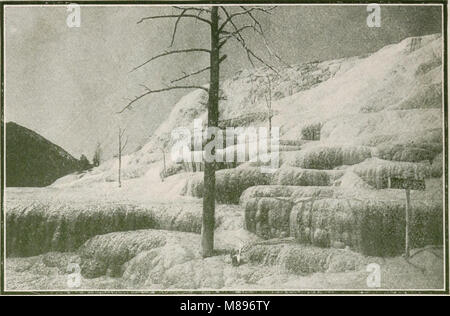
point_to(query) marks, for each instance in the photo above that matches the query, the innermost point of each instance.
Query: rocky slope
(351, 126)
(390, 100)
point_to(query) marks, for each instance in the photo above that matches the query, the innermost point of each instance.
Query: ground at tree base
(45, 273)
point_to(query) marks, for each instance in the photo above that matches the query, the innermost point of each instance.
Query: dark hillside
(32, 160)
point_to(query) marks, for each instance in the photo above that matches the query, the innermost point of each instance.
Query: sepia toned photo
(229, 148)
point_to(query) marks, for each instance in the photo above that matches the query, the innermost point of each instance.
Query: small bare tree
(223, 26)
(164, 163)
(268, 98)
(121, 149)
(97, 155)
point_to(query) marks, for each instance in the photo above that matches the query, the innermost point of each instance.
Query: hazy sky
(68, 83)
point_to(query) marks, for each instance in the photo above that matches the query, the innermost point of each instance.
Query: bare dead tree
(97, 155)
(121, 149)
(223, 26)
(164, 163)
(268, 98)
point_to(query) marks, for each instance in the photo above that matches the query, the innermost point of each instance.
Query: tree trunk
(120, 156)
(270, 105)
(164, 165)
(270, 123)
(209, 191)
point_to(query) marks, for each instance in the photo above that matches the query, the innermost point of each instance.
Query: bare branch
(265, 9)
(149, 91)
(245, 11)
(186, 75)
(272, 53)
(236, 33)
(222, 43)
(251, 53)
(190, 74)
(174, 16)
(193, 9)
(260, 31)
(237, 30)
(121, 132)
(230, 18)
(249, 13)
(221, 59)
(183, 11)
(166, 53)
(175, 27)
(124, 145)
(266, 44)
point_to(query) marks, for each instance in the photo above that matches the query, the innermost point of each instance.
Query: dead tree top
(229, 28)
